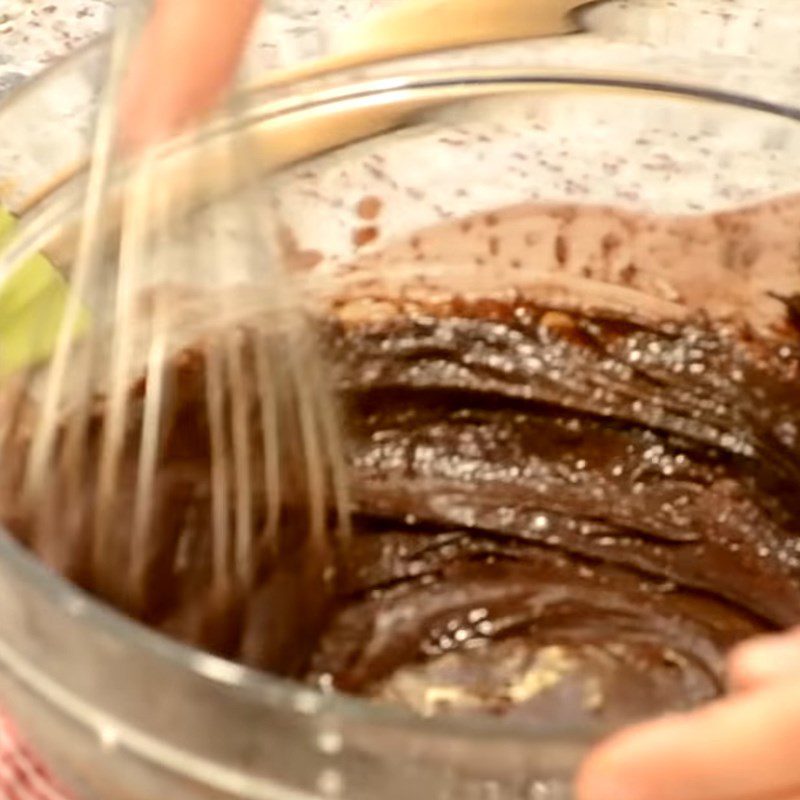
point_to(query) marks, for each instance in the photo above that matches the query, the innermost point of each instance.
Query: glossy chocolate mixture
(564, 517)
(558, 516)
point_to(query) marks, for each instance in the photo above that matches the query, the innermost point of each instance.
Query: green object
(32, 303)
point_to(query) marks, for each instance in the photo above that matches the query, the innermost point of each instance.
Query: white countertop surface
(733, 45)
(764, 32)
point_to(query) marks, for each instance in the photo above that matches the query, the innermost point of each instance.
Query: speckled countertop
(738, 45)
(34, 32)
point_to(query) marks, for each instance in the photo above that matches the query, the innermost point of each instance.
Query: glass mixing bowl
(122, 713)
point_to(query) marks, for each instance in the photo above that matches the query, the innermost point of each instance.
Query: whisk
(184, 437)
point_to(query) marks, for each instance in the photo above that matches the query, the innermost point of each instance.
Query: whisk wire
(154, 380)
(199, 329)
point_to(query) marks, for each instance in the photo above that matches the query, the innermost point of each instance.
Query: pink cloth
(22, 776)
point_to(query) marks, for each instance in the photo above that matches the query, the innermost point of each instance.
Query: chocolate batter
(558, 516)
(564, 517)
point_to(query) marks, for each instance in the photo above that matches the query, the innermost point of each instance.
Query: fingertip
(764, 660)
(740, 672)
(597, 779)
(610, 770)
(631, 764)
(708, 752)
(182, 66)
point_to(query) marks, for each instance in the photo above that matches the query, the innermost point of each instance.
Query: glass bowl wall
(122, 713)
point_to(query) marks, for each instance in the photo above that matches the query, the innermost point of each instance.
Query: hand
(184, 62)
(744, 747)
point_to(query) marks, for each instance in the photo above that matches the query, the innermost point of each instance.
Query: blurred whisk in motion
(182, 435)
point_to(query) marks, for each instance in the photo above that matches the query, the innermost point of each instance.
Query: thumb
(765, 660)
(185, 60)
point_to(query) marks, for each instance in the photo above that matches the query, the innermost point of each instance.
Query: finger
(747, 746)
(765, 660)
(186, 58)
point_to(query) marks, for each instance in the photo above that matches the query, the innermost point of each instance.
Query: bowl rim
(273, 691)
